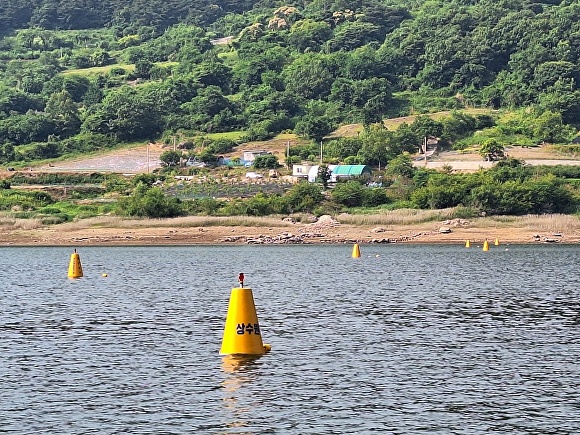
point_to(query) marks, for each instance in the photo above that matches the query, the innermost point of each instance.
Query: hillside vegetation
(79, 77)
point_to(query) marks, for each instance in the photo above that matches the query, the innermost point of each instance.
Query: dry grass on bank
(9, 224)
(409, 217)
(557, 223)
(397, 217)
(390, 220)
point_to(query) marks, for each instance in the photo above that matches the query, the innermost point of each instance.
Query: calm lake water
(406, 339)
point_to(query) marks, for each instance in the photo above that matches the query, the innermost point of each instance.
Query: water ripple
(405, 339)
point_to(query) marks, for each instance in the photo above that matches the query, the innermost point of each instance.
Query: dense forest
(306, 67)
(79, 76)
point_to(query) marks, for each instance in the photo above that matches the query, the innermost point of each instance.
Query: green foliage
(354, 194)
(222, 146)
(543, 195)
(304, 197)
(314, 128)
(374, 197)
(401, 166)
(23, 199)
(349, 194)
(51, 178)
(170, 158)
(203, 206)
(324, 174)
(509, 188)
(267, 161)
(549, 128)
(491, 150)
(351, 64)
(324, 66)
(152, 203)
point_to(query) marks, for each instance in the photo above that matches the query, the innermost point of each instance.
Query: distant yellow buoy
(355, 251)
(486, 245)
(104, 275)
(75, 270)
(242, 335)
(467, 244)
(496, 242)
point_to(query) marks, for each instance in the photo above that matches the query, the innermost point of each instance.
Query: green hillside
(79, 77)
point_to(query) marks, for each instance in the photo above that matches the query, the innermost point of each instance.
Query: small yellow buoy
(104, 275)
(355, 251)
(486, 245)
(467, 244)
(496, 242)
(75, 270)
(242, 335)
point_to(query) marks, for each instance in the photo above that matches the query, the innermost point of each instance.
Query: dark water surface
(404, 340)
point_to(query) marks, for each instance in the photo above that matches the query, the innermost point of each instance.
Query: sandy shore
(329, 231)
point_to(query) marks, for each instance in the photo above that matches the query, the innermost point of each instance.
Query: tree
(267, 161)
(313, 127)
(350, 194)
(129, 113)
(143, 68)
(303, 196)
(491, 150)
(349, 36)
(309, 34)
(401, 166)
(308, 77)
(170, 158)
(425, 126)
(61, 107)
(152, 203)
(548, 127)
(324, 174)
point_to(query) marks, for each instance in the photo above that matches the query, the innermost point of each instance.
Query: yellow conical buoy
(355, 251)
(75, 270)
(242, 335)
(486, 245)
(467, 244)
(496, 243)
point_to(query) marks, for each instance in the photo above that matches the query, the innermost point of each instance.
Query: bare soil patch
(134, 160)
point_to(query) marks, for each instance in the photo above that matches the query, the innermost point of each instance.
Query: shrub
(150, 203)
(350, 194)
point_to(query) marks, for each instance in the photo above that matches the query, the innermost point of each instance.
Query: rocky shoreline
(325, 230)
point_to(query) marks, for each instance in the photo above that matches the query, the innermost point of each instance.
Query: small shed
(341, 172)
(300, 171)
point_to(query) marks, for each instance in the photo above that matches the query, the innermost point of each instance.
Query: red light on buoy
(241, 279)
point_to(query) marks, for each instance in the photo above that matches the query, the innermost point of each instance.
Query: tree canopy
(136, 70)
